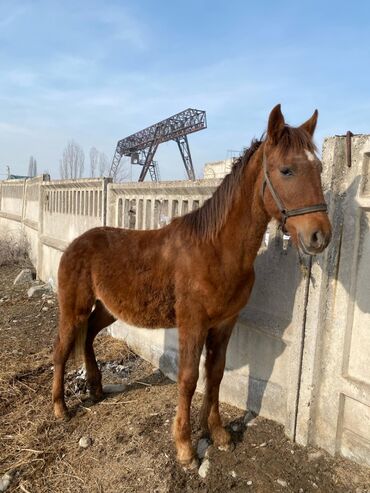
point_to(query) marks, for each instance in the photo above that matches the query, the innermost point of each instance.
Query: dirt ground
(131, 448)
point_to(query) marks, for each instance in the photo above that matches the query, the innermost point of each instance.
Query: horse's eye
(286, 171)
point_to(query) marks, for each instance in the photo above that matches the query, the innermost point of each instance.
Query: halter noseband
(285, 214)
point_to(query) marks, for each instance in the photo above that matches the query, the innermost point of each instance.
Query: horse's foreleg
(216, 345)
(98, 320)
(191, 342)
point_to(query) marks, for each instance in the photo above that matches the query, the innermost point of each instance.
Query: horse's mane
(207, 221)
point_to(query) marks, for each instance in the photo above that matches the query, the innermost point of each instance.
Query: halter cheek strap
(285, 213)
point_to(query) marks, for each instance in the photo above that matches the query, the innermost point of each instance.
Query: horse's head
(292, 191)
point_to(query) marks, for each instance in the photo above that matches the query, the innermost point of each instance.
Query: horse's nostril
(317, 239)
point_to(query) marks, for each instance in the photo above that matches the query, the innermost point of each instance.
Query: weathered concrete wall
(217, 169)
(51, 214)
(334, 409)
(19, 210)
(151, 205)
(70, 207)
(300, 350)
(12, 193)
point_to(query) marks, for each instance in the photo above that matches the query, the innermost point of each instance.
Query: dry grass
(40, 452)
(34, 446)
(14, 248)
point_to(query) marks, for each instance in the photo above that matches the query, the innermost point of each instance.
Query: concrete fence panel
(152, 205)
(334, 409)
(12, 199)
(69, 208)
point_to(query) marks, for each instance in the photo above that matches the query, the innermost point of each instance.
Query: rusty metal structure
(142, 146)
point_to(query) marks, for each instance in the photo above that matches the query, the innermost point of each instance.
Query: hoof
(186, 457)
(222, 439)
(96, 396)
(95, 392)
(61, 413)
(190, 465)
(227, 447)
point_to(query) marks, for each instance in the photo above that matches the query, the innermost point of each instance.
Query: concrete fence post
(105, 200)
(40, 229)
(24, 199)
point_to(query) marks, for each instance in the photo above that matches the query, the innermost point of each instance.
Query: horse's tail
(78, 350)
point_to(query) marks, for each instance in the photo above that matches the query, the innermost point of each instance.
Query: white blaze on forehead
(310, 155)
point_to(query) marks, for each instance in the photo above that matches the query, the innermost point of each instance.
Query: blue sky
(98, 71)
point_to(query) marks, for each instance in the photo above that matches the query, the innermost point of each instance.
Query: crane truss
(142, 145)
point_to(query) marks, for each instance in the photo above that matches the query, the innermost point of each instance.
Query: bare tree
(32, 167)
(94, 160)
(72, 162)
(103, 164)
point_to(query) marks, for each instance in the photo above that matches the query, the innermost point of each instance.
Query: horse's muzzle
(314, 243)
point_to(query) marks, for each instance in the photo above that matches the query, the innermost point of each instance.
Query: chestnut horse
(196, 273)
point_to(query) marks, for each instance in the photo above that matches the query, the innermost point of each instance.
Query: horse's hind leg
(63, 346)
(75, 303)
(98, 320)
(216, 345)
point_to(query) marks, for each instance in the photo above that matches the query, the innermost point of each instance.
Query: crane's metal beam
(184, 148)
(148, 161)
(115, 164)
(154, 171)
(185, 122)
(175, 127)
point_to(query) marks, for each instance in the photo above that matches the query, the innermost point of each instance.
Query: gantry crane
(142, 145)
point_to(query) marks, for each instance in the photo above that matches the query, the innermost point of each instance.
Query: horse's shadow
(267, 326)
(84, 401)
(255, 367)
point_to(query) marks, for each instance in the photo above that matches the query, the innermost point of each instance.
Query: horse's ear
(310, 124)
(275, 125)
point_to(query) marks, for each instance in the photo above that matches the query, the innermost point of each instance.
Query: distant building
(218, 169)
(17, 177)
(11, 176)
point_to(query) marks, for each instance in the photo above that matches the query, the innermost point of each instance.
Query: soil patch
(130, 447)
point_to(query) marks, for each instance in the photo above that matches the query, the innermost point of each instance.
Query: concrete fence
(51, 214)
(300, 350)
(152, 205)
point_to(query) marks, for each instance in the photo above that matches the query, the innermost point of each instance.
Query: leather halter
(285, 213)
